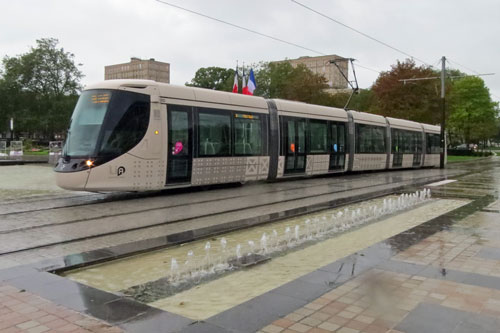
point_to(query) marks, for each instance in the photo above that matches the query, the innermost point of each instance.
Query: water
(156, 278)
(215, 256)
(223, 293)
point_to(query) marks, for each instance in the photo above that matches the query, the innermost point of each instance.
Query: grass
(453, 159)
(41, 152)
(32, 153)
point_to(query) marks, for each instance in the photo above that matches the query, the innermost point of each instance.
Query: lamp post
(11, 129)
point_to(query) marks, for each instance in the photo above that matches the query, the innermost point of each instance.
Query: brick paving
(378, 300)
(21, 311)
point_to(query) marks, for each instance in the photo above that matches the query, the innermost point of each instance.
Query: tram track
(29, 220)
(68, 232)
(274, 188)
(61, 202)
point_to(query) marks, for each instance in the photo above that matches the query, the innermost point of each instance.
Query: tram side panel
(312, 140)
(370, 142)
(228, 146)
(432, 145)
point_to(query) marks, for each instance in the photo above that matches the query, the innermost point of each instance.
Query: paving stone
(28, 324)
(437, 318)
(300, 327)
(329, 326)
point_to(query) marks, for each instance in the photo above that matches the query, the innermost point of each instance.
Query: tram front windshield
(107, 123)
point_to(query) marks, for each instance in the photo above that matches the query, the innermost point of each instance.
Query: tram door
(295, 150)
(337, 146)
(397, 147)
(417, 155)
(180, 147)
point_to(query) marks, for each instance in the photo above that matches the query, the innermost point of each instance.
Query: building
(322, 65)
(139, 69)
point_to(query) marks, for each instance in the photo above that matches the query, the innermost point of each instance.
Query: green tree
(473, 115)
(362, 101)
(42, 87)
(216, 78)
(274, 80)
(415, 100)
(282, 80)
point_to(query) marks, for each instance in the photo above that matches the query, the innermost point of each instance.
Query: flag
(251, 83)
(235, 84)
(244, 88)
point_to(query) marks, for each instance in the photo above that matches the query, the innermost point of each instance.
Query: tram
(141, 135)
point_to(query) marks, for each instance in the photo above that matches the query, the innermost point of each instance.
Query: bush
(468, 152)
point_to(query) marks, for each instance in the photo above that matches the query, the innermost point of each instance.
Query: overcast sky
(104, 32)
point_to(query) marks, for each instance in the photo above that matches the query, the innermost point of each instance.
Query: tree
(282, 80)
(216, 78)
(41, 88)
(415, 100)
(362, 101)
(473, 115)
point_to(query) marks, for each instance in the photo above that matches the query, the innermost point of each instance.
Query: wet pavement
(440, 276)
(35, 227)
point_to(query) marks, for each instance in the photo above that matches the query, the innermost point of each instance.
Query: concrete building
(321, 65)
(139, 69)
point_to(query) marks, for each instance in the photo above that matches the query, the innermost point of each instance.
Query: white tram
(139, 135)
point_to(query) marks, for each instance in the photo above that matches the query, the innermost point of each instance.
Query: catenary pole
(443, 113)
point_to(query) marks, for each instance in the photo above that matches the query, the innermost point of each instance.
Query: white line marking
(442, 182)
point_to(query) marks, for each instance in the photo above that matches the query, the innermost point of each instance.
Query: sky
(105, 32)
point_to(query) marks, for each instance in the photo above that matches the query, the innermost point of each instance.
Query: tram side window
(318, 131)
(214, 134)
(433, 143)
(370, 139)
(408, 142)
(247, 135)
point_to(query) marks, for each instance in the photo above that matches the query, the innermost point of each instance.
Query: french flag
(251, 83)
(244, 88)
(235, 84)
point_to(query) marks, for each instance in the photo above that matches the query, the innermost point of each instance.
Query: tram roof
(177, 92)
(314, 111)
(432, 129)
(368, 118)
(404, 124)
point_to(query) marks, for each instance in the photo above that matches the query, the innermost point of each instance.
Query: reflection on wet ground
(444, 278)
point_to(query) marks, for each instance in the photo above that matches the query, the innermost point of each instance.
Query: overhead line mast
(443, 104)
(443, 114)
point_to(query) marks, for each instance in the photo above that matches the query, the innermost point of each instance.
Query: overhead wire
(471, 70)
(368, 68)
(240, 27)
(360, 32)
(252, 31)
(456, 63)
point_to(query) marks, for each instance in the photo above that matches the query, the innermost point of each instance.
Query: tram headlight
(89, 163)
